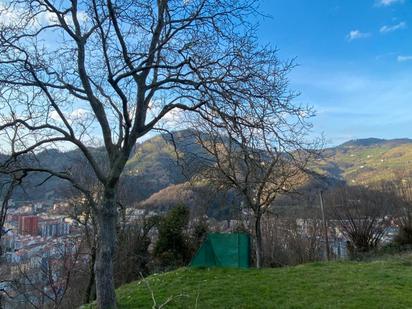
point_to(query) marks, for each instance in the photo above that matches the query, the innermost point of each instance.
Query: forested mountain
(166, 163)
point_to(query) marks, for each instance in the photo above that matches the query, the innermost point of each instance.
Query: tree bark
(258, 234)
(106, 228)
(90, 294)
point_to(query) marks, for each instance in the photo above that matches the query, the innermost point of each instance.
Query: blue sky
(355, 62)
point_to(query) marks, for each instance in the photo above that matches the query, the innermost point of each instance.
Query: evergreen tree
(172, 247)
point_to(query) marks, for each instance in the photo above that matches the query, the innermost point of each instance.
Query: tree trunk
(106, 229)
(258, 233)
(90, 293)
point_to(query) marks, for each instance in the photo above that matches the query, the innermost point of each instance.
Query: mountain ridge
(371, 141)
(153, 166)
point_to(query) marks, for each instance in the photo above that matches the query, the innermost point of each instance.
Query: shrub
(172, 247)
(198, 234)
(404, 236)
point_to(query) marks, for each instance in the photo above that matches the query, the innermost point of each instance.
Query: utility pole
(325, 227)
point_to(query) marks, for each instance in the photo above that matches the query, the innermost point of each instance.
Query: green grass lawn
(378, 284)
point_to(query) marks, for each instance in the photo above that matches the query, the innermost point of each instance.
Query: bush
(199, 232)
(172, 247)
(404, 236)
(133, 256)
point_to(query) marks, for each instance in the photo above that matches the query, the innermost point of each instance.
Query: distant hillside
(165, 160)
(370, 142)
(199, 197)
(155, 165)
(370, 160)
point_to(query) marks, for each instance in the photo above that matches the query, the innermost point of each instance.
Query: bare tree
(44, 280)
(133, 256)
(401, 190)
(81, 212)
(291, 239)
(362, 215)
(7, 187)
(8, 184)
(76, 73)
(262, 156)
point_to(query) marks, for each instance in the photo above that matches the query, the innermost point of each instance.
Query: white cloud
(388, 2)
(79, 114)
(173, 119)
(356, 34)
(387, 29)
(49, 18)
(385, 56)
(54, 115)
(7, 15)
(12, 15)
(404, 58)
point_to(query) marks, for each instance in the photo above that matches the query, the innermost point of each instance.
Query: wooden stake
(325, 227)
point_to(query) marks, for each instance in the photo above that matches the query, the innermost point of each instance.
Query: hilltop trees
(105, 73)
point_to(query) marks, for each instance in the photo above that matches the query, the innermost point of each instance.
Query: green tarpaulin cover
(223, 250)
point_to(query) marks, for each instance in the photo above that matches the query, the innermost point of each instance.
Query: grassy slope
(378, 284)
(360, 165)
